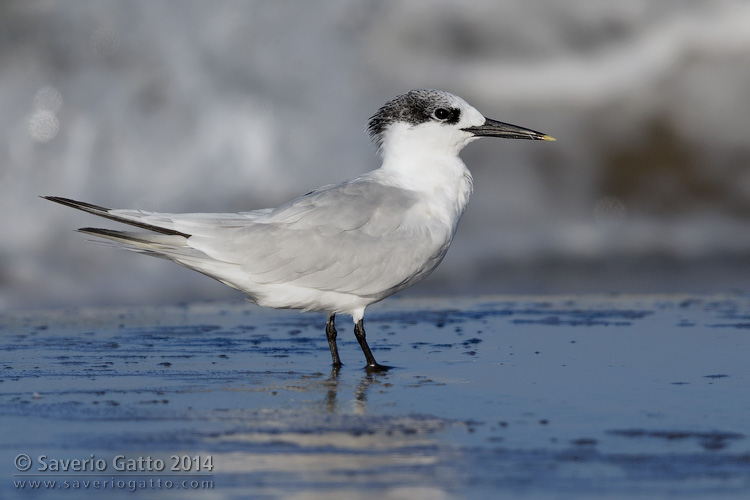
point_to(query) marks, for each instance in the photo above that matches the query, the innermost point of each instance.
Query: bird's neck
(423, 160)
(440, 178)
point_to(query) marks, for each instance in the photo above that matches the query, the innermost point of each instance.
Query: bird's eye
(442, 114)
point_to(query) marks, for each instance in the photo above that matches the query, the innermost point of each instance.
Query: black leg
(359, 332)
(331, 334)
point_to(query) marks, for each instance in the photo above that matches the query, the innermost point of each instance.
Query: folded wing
(347, 238)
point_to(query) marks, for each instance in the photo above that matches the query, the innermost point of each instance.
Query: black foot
(376, 368)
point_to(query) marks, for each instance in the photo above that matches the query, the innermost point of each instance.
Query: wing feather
(359, 237)
(347, 238)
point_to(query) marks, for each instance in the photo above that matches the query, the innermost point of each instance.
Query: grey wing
(188, 223)
(348, 238)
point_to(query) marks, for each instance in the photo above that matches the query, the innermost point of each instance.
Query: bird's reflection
(334, 385)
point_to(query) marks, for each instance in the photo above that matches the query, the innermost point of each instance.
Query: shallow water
(523, 397)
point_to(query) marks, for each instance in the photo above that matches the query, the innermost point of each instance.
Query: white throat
(422, 161)
(424, 158)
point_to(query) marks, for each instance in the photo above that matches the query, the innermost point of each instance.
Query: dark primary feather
(106, 213)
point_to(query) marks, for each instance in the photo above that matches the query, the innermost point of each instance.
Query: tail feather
(107, 214)
(162, 242)
(128, 237)
(170, 247)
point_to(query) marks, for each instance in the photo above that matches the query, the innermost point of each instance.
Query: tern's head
(437, 121)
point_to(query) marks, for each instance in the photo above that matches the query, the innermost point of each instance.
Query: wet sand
(600, 397)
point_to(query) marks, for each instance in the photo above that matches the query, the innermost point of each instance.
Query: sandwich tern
(344, 246)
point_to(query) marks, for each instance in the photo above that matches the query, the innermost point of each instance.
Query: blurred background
(237, 105)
